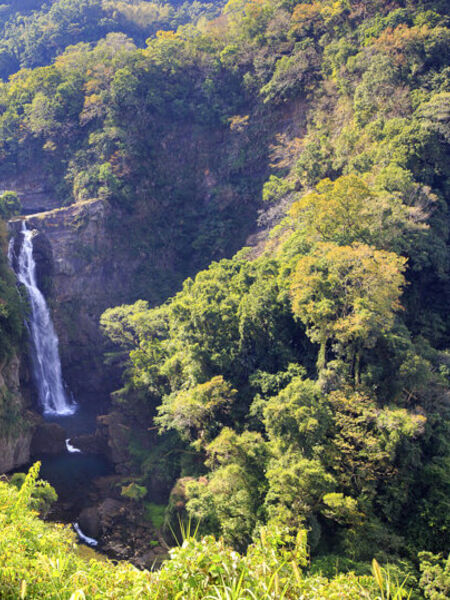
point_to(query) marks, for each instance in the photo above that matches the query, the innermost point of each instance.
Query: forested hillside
(300, 387)
(307, 386)
(34, 32)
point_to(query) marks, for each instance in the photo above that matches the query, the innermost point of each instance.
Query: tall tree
(347, 295)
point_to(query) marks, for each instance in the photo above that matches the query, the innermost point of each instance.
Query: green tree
(195, 413)
(43, 495)
(347, 294)
(435, 579)
(298, 418)
(347, 211)
(10, 205)
(296, 486)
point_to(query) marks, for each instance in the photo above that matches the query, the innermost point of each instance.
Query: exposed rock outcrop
(91, 443)
(81, 277)
(14, 450)
(89, 521)
(48, 438)
(116, 432)
(121, 526)
(33, 190)
(17, 423)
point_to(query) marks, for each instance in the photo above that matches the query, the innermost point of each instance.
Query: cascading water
(73, 471)
(44, 341)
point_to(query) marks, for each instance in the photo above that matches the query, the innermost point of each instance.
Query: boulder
(90, 443)
(116, 433)
(109, 509)
(89, 522)
(48, 438)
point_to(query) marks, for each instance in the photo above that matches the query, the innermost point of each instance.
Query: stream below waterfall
(71, 473)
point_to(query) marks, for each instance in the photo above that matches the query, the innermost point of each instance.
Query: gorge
(224, 327)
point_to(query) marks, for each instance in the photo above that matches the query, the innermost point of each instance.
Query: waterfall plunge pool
(72, 474)
(81, 422)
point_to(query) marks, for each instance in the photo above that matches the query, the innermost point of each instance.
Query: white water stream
(44, 341)
(71, 448)
(84, 538)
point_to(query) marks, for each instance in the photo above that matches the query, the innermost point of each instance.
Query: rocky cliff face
(16, 422)
(14, 451)
(80, 276)
(33, 190)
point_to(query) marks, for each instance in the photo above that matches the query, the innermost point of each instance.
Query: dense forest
(34, 32)
(289, 400)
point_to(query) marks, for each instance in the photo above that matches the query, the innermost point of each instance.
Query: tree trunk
(357, 366)
(322, 357)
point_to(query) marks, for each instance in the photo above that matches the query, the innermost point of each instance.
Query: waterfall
(44, 341)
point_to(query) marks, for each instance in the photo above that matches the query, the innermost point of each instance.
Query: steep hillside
(298, 384)
(176, 150)
(306, 382)
(34, 32)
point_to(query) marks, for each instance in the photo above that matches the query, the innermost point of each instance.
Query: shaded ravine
(71, 473)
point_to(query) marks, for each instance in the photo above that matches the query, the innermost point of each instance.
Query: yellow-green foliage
(41, 560)
(38, 560)
(155, 513)
(354, 278)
